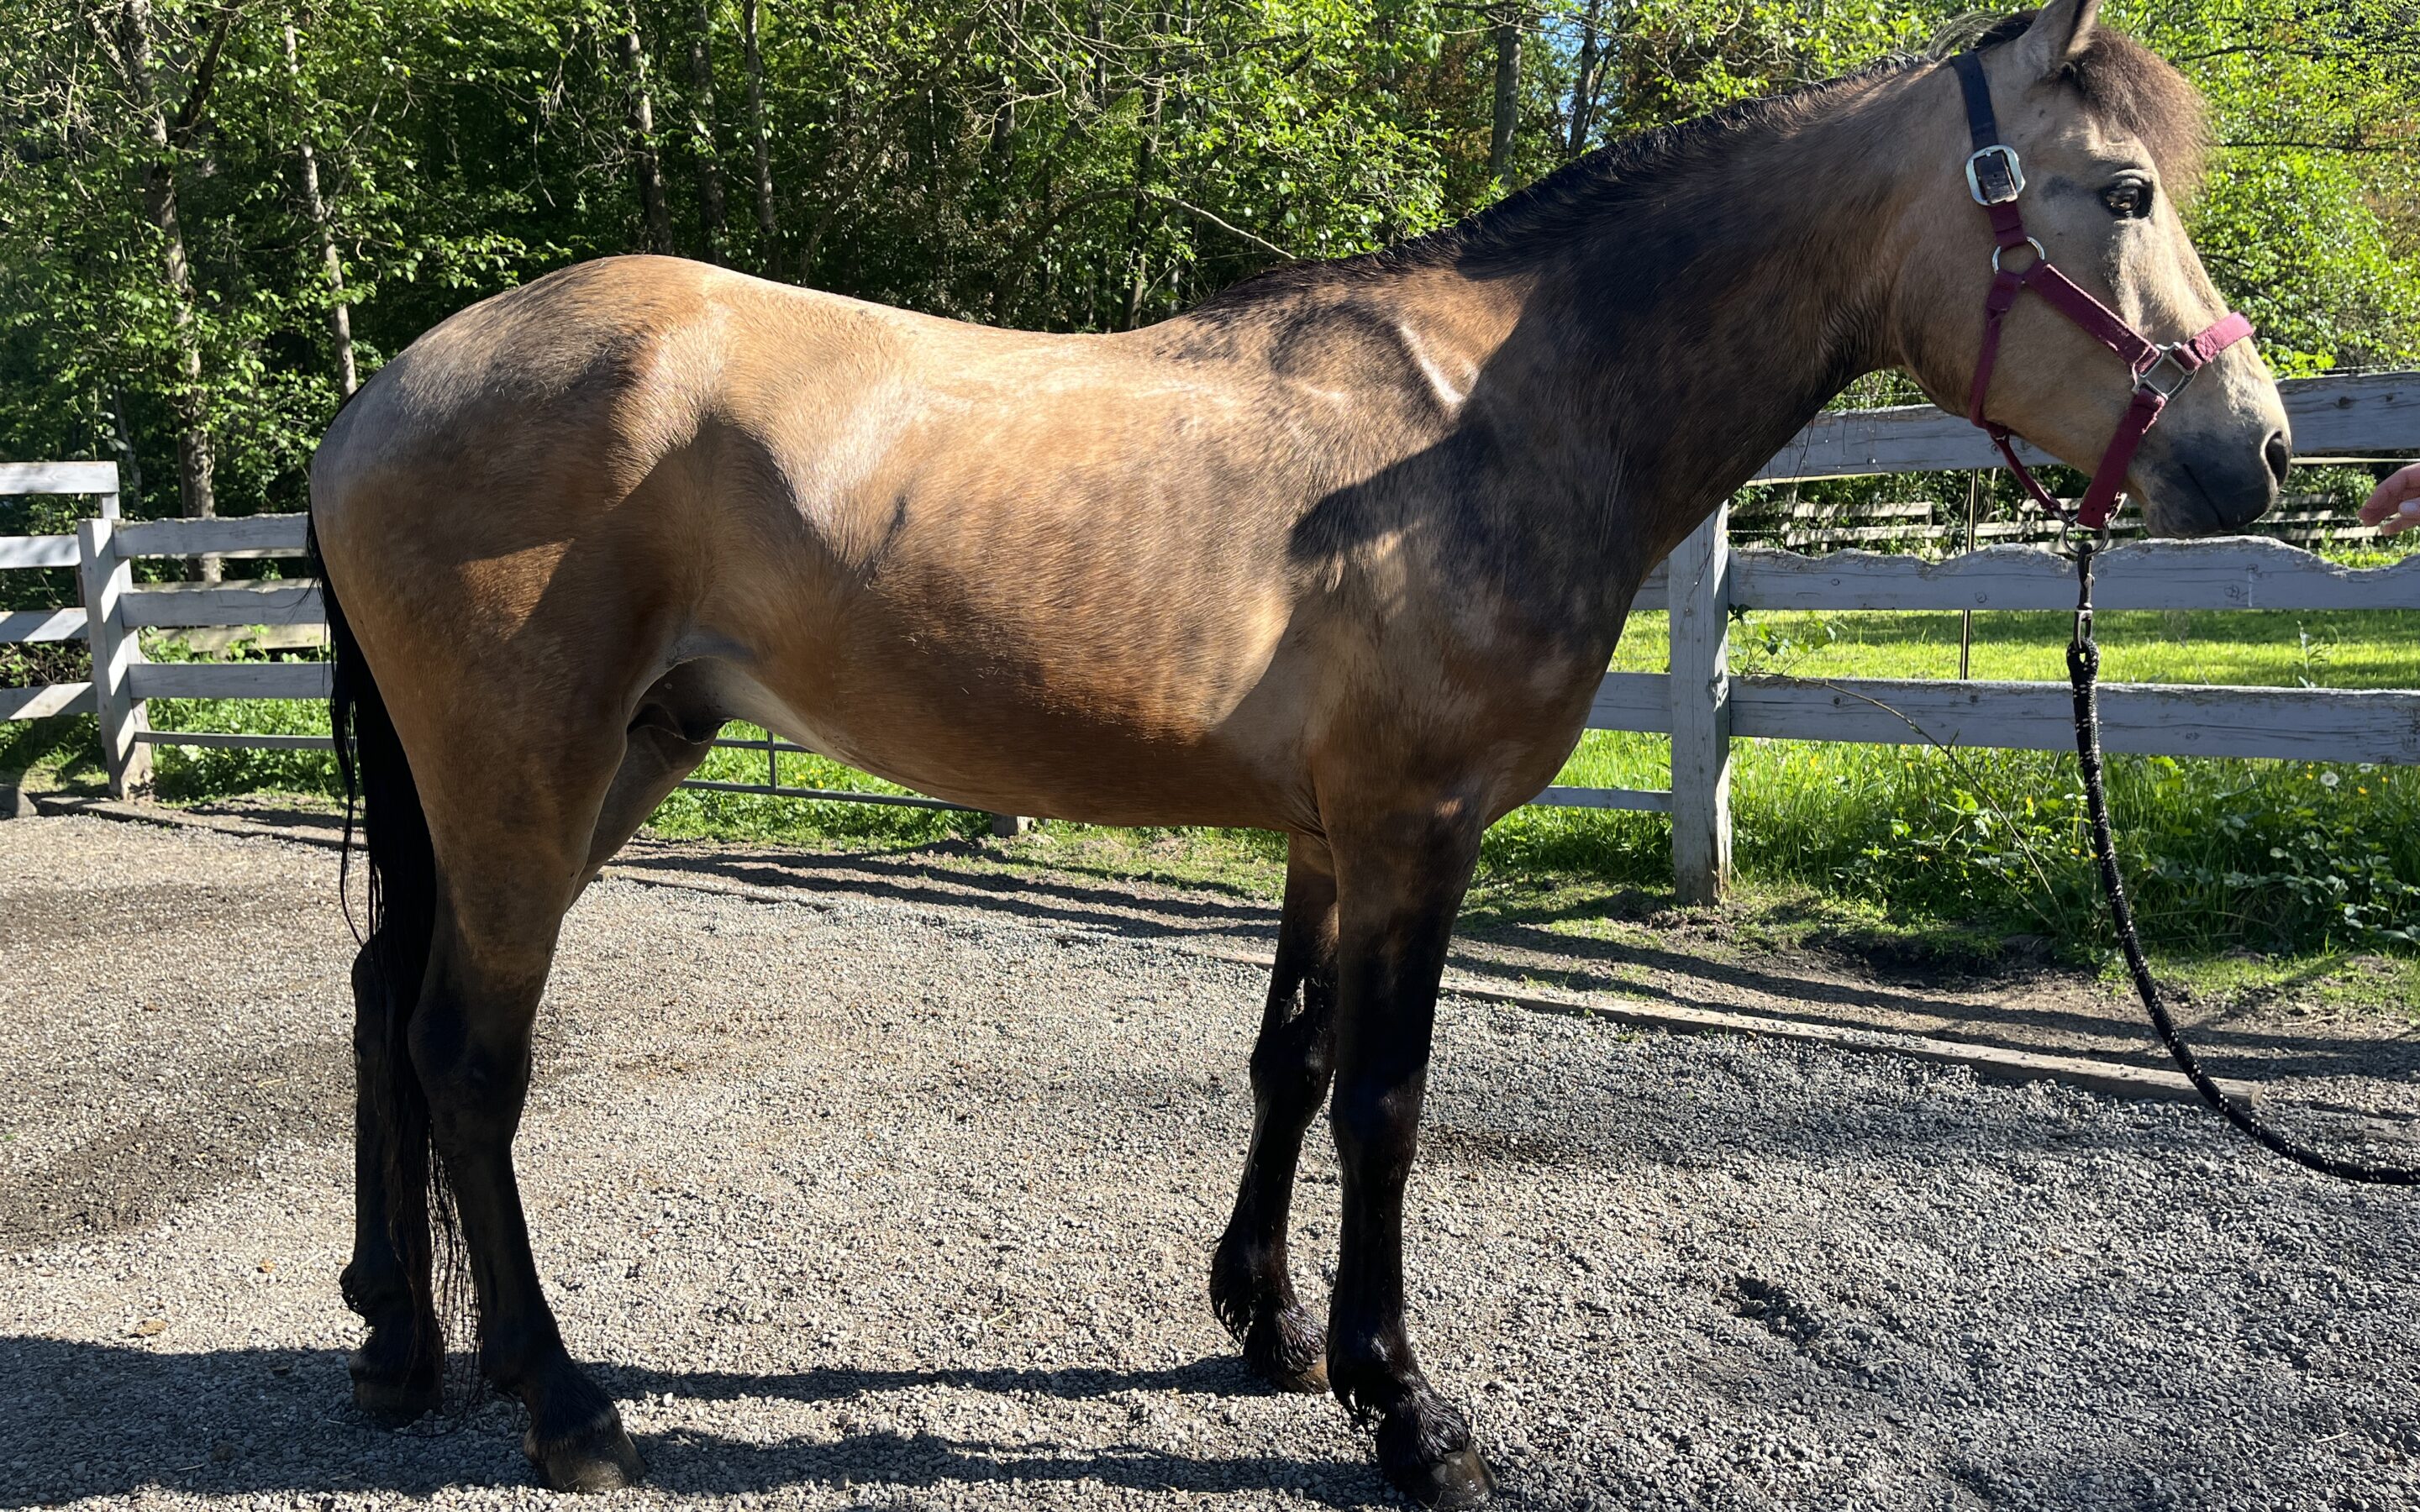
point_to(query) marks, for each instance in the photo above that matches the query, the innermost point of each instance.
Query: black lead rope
(2082, 672)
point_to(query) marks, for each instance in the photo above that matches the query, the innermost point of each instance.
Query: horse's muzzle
(2197, 485)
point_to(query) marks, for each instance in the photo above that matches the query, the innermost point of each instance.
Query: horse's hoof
(1288, 1350)
(1424, 1449)
(600, 1458)
(394, 1397)
(1310, 1380)
(1459, 1480)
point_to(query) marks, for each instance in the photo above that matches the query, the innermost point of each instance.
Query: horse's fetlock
(1238, 1282)
(375, 1292)
(1363, 1385)
(1285, 1347)
(1426, 1427)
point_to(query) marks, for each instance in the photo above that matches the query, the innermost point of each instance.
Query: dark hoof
(1459, 1480)
(1424, 1449)
(1287, 1349)
(597, 1458)
(392, 1396)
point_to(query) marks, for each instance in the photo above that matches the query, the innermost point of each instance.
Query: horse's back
(900, 534)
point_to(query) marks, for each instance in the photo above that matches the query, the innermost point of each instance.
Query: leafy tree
(206, 207)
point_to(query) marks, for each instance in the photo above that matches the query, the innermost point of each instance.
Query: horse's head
(2107, 137)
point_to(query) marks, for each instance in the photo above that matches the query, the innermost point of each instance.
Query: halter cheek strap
(1995, 178)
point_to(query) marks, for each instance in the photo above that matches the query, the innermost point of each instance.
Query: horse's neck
(1693, 331)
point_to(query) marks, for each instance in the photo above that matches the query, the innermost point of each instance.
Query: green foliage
(1074, 165)
(2297, 855)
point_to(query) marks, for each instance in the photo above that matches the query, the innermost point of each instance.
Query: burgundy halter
(1994, 178)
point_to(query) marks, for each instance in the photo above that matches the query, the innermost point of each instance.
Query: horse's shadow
(112, 1421)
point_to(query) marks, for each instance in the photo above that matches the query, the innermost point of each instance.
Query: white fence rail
(1699, 702)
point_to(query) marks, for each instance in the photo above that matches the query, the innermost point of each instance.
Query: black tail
(401, 870)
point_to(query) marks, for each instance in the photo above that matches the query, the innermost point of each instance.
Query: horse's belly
(1012, 749)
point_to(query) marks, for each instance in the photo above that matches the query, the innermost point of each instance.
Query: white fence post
(106, 578)
(1700, 577)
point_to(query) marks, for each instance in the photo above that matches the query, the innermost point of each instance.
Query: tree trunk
(753, 59)
(1584, 82)
(1094, 33)
(701, 130)
(1508, 94)
(194, 465)
(1003, 121)
(340, 315)
(643, 137)
(121, 441)
(1146, 159)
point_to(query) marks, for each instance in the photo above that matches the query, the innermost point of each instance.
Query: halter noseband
(1994, 178)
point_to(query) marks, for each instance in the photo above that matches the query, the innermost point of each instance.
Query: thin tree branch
(1232, 229)
(206, 73)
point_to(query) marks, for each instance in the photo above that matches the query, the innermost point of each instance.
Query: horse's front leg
(1400, 885)
(1250, 1287)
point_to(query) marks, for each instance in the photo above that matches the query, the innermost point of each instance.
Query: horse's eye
(2129, 200)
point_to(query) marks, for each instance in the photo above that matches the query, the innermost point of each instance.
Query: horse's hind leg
(471, 1044)
(1250, 1286)
(512, 833)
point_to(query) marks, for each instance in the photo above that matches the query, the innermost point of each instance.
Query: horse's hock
(861, 1201)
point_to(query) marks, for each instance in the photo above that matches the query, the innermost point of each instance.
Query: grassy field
(1904, 849)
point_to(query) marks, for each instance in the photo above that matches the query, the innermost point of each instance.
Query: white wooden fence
(1698, 703)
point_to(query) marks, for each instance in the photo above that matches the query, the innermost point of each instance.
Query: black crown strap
(1978, 100)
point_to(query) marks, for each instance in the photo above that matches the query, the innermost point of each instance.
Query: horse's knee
(1376, 1129)
(1291, 1065)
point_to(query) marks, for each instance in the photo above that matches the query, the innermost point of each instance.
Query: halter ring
(2144, 381)
(2039, 256)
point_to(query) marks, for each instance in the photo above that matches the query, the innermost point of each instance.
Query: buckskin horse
(1341, 553)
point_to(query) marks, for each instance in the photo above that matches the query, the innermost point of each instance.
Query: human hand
(2396, 505)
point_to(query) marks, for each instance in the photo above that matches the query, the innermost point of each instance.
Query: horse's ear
(2060, 32)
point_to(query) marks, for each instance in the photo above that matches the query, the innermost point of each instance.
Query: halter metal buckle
(2147, 379)
(1993, 176)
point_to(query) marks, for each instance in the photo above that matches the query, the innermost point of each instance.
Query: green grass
(2338, 648)
(2269, 855)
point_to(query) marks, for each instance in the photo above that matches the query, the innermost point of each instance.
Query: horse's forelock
(2141, 91)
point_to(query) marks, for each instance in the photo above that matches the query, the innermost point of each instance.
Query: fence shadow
(1489, 949)
(1112, 908)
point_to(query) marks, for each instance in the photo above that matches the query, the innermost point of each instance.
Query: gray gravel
(865, 1203)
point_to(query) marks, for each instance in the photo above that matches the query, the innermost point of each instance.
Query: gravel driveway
(864, 1203)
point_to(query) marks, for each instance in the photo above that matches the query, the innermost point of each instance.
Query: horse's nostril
(2279, 453)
